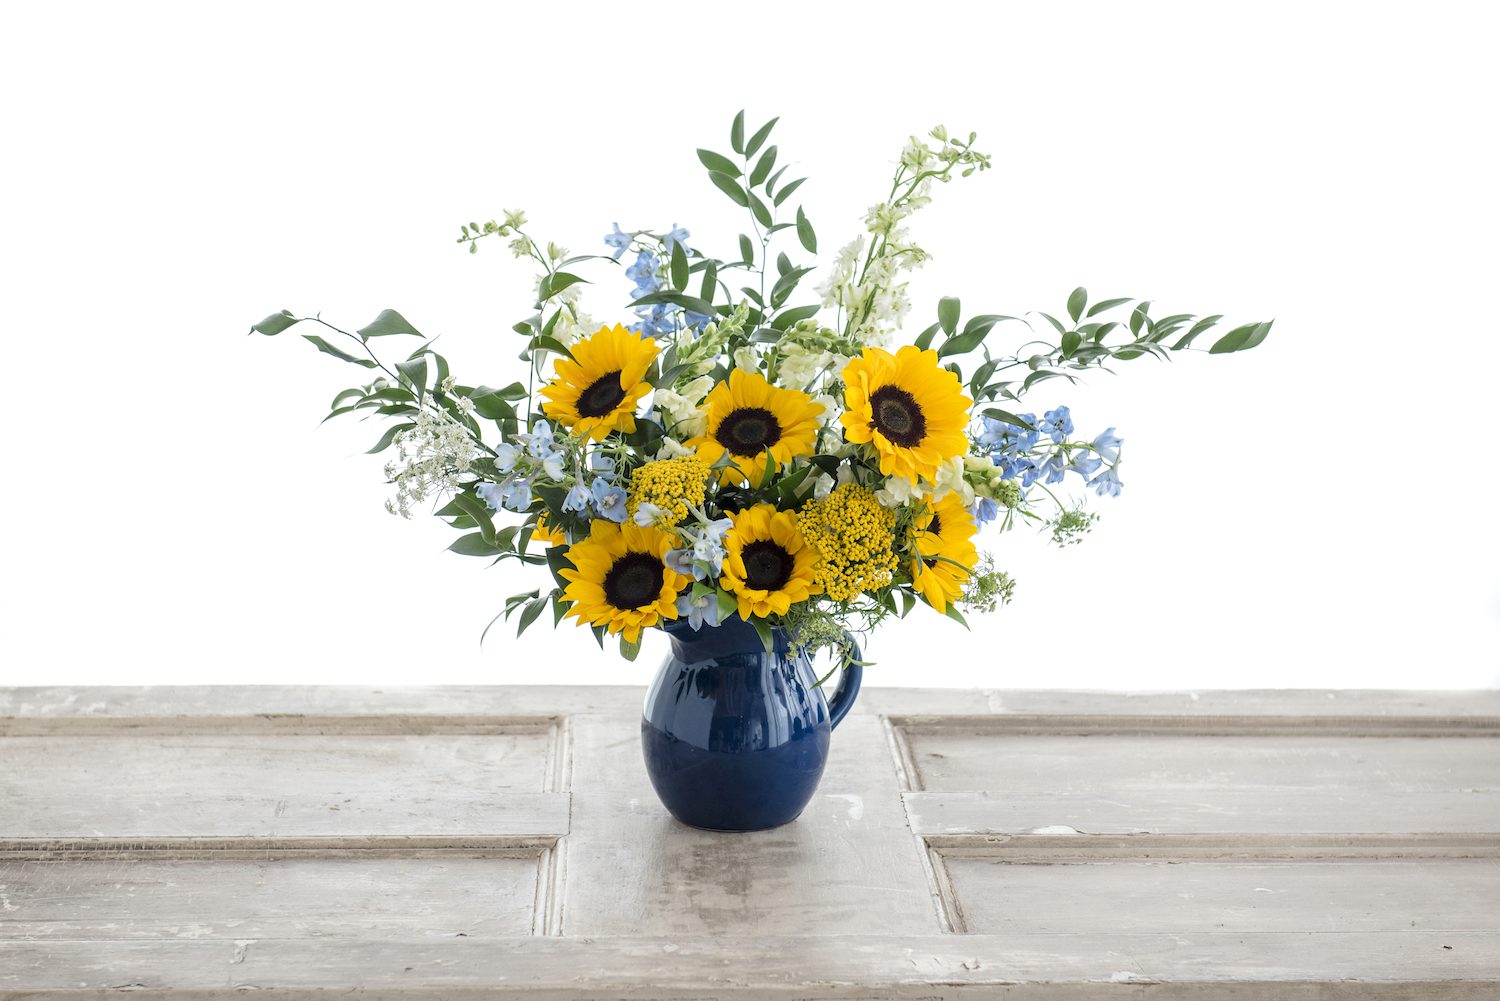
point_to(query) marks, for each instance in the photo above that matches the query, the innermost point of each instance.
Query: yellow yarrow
(670, 484)
(855, 536)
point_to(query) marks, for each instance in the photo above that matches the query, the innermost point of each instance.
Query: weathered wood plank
(1204, 966)
(115, 782)
(306, 895)
(1243, 896)
(849, 864)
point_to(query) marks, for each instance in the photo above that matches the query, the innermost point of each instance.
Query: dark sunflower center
(748, 431)
(935, 526)
(767, 566)
(897, 416)
(602, 396)
(633, 581)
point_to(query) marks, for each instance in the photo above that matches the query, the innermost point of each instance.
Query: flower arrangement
(743, 449)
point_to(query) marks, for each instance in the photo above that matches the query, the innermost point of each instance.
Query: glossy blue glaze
(736, 738)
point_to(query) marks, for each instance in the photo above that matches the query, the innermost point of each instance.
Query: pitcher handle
(843, 699)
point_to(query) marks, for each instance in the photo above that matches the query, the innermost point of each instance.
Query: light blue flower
(717, 529)
(985, 510)
(1085, 463)
(709, 551)
(539, 442)
(675, 236)
(646, 514)
(1107, 482)
(578, 499)
(489, 493)
(602, 464)
(1107, 445)
(1057, 423)
(643, 271)
(1002, 437)
(1051, 468)
(619, 240)
(515, 495)
(552, 465)
(609, 501)
(699, 611)
(680, 560)
(506, 455)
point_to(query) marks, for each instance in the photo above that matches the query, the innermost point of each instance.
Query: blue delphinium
(986, 510)
(515, 495)
(609, 500)
(1107, 482)
(1057, 424)
(619, 240)
(676, 235)
(700, 611)
(577, 500)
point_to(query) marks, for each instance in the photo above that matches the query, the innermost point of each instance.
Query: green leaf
(388, 323)
(1006, 417)
(389, 436)
(784, 193)
(788, 317)
(533, 609)
(1076, 302)
(730, 187)
(545, 343)
(1196, 329)
(805, 233)
(759, 210)
(761, 135)
(763, 166)
(687, 302)
(473, 544)
(629, 650)
(1241, 338)
(329, 349)
(710, 281)
(415, 370)
(479, 511)
(348, 394)
(785, 285)
(1070, 342)
(718, 163)
(924, 339)
(963, 343)
(1138, 317)
(763, 629)
(747, 250)
(679, 266)
(948, 307)
(1100, 307)
(556, 282)
(274, 324)
(737, 133)
(957, 616)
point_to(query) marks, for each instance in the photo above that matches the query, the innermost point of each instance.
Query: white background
(1319, 512)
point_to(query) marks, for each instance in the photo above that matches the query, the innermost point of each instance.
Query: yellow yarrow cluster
(855, 537)
(670, 484)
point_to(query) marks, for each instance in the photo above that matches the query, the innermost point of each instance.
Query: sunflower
(597, 390)
(768, 565)
(749, 419)
(946, 530)
(621, 579)
(544, 532)
(908, 407)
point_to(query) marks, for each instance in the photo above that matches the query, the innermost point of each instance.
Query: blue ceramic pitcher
(736, 737)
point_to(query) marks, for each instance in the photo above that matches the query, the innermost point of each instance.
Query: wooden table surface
(466, 843)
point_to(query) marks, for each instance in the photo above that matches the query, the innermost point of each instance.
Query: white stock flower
(898, 491)
(950, 477)
(747, 359)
